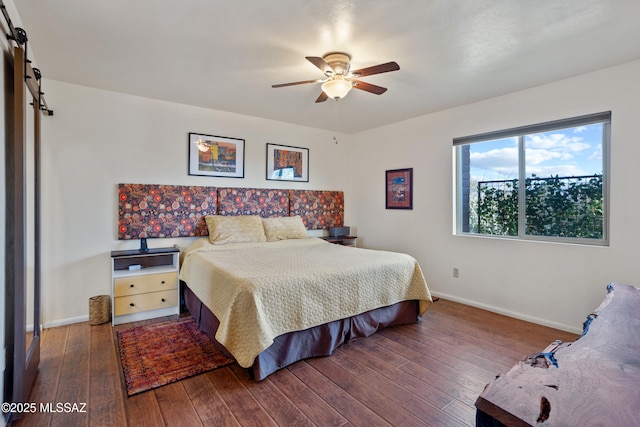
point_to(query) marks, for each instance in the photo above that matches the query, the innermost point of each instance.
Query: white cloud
(498, 163)
(557, 142)
(597, 154)
(535, 157)
(495, 158)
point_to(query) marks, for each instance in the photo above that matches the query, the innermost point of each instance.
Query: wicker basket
(99, 309)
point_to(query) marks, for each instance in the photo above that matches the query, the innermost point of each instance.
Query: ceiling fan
(340, 79)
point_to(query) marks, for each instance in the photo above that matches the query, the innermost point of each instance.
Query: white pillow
(235, 229)
(284, 227)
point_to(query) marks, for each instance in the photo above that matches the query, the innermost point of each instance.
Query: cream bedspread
(259, 291)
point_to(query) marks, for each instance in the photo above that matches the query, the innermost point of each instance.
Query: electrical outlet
(456, 272)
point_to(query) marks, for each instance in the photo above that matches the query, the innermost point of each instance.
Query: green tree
(555, 206)
(564, 207)
(498, 209)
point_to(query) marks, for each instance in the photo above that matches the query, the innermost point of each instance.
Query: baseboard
(67, 321)
(515, 315)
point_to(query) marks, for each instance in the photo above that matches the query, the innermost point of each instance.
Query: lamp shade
(336, 88)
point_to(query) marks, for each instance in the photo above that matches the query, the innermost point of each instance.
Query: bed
(276, 298)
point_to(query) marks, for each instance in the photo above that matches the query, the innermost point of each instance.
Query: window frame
(520, 133)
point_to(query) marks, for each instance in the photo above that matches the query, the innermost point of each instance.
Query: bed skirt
(317, 341)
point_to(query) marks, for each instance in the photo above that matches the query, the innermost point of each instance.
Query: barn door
(22, 286)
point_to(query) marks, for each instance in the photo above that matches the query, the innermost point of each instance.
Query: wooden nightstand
(149, 291)
(342, 240)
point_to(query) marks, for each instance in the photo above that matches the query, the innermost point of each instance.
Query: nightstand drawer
(133, 285)
(145, 302)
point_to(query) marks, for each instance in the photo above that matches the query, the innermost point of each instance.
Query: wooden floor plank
(244, 406)
(208, 402)
(462, 412)
(176, 407)
(74, 381)
(143, 410)
(53, 344)
(371, 346)
(434, 378)
(518, 333)
(103, 366)
(426, 356)
(414, 401)
(379, 368)
(378, 401)
(349, 407)
(107, 413)
(467, 348)
(274, 402)
(305, 399)
(428, 373)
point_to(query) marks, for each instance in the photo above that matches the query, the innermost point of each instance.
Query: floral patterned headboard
(253, 201)
(150, 210)
(318, 209)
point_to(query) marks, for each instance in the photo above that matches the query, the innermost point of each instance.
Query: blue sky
(565, 152)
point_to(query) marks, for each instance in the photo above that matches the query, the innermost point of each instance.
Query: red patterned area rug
(161, 353)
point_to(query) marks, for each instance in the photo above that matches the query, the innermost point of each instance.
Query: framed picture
(211, 155)
(286, 163)
(399, 187)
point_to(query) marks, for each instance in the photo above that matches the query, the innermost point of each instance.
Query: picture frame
(286, 163)
(219, 156)
(399, 189)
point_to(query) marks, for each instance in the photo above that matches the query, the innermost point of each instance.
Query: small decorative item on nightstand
(341, 236)
(144, 284)
(339, 231)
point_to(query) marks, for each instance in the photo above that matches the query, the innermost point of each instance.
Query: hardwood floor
(424, 374)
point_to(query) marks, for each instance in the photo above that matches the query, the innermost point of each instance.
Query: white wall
(553, 284)
(97, 139)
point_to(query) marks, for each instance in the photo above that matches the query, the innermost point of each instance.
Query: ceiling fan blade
(320, 63)
(376, 69)
(378, 90)
(297, 83)
(323, 97)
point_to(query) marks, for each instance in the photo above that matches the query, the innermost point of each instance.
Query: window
(564, 168)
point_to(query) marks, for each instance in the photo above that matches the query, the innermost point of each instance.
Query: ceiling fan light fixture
(336, 87)
(336, 66)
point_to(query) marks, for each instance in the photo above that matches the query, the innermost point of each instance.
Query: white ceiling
(225, 55)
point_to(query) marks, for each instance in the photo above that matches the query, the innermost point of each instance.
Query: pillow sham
(284, 227)
(235, 229)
